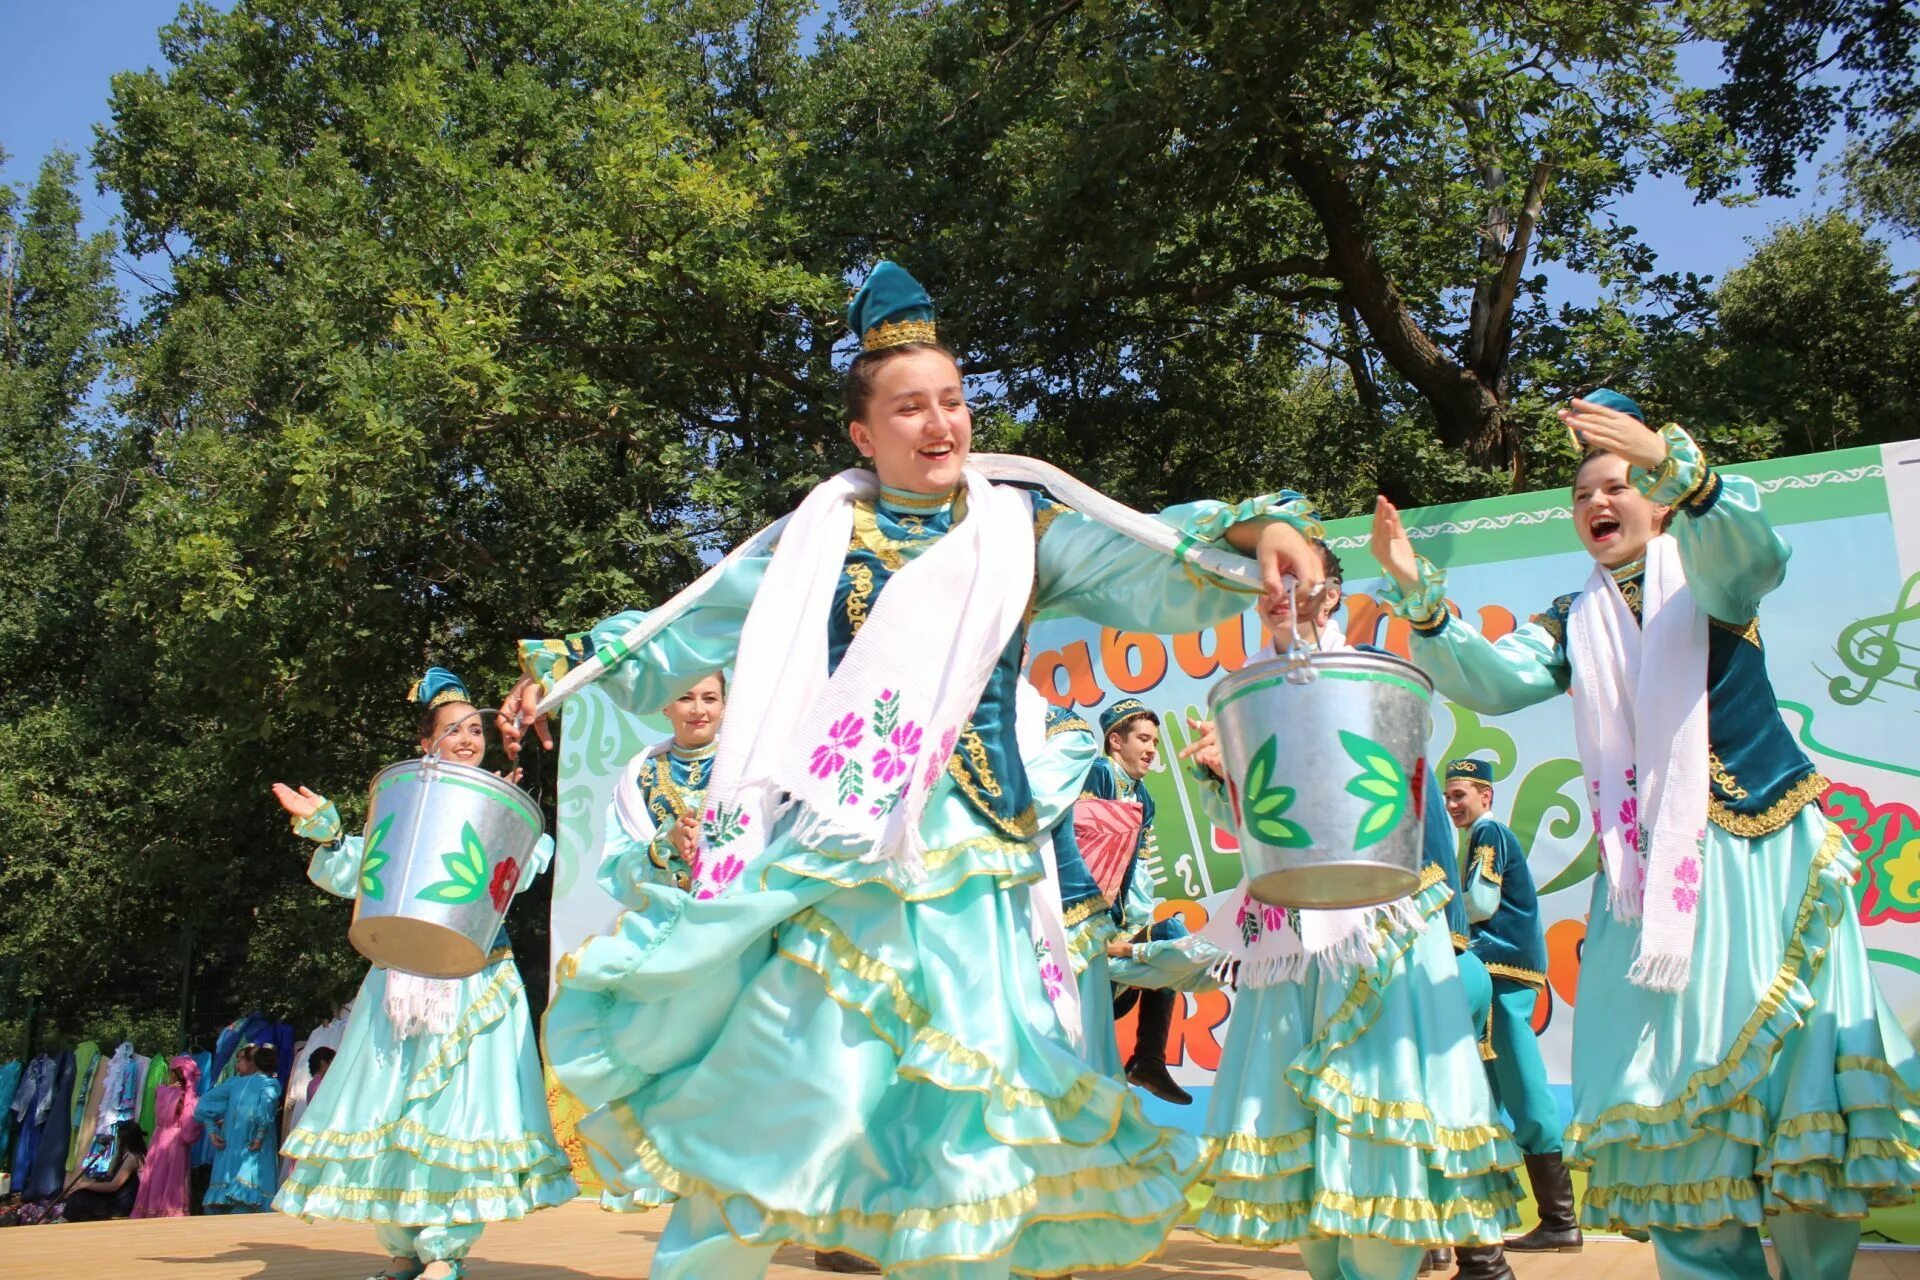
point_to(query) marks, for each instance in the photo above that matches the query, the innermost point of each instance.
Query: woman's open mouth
(1603, 527)
(937, 452)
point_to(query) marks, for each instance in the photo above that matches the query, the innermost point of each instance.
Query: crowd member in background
(242, 1116)
(164, 1182)
(112, 1196)
(317, 1063)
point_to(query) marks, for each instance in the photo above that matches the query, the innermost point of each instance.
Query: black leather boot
(1148, 1065)
(1436, 1260)
(1559, 1229)
(848, 1263)
(1482, 1262)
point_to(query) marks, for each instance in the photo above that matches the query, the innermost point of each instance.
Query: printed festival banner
(1842, 636)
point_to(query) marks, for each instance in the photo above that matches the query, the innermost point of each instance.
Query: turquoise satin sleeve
(1057, 772)
(1088, 570)
(1731, 553)
(1137, 908)
(699, 642)
(212, 1107)
(538, 861)
(1483, 900)
(1189, 966)
(1213, 796)
(336, 867)
(1493, 678)
(627, 870)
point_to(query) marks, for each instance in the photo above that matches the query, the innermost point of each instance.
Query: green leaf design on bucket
(467, 869)
(1263, 803)
(372, 887)
(1382, 783)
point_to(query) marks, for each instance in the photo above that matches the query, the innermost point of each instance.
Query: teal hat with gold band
(1122, 711)
(1608, 399)
(437, 688)
(891, 310)
(1468, 769)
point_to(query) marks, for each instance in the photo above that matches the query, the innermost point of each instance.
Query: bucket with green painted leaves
(1326, 772)
(445, 848)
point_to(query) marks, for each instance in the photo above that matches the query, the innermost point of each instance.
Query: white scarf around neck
(857, 752)
(1640, 721)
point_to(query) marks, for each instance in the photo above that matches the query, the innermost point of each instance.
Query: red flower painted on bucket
(506, 876)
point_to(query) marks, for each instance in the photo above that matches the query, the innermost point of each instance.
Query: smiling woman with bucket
(432, 1120)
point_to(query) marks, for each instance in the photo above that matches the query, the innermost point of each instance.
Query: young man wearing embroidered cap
(1734, 1064)
(1503, 916)
(1131, 735)
(854, 951)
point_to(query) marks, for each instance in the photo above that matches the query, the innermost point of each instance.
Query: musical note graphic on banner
(1872, 650)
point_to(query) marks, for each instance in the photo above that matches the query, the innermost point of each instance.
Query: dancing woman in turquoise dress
(432, 1121)
(1733, 1062)
(652, 823)
(1351, 1114)
(839, 1036)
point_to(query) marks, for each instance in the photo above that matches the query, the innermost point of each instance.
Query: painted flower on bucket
(506, 878)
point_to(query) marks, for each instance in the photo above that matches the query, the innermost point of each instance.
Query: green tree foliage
(483, 319)
(1188, 202)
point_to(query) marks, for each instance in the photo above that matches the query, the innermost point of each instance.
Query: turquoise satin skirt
(1779, 1079)
(432, 1130)
(838, 1056)
(1357, 1105)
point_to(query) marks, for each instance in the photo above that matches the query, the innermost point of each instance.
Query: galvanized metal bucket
(1326, 769)
(445, 846)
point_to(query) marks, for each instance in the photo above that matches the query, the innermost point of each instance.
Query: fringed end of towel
(1666, 973)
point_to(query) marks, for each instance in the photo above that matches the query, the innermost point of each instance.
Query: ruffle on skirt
(1357, 1105)
(431, 1130)
(839, 1064)
(1778, 1080)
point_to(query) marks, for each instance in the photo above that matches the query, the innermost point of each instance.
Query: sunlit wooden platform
(581, 1242)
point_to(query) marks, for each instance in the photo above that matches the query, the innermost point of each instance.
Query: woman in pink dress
(163, 1183)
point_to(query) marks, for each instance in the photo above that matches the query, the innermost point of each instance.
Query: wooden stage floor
(580, 1242)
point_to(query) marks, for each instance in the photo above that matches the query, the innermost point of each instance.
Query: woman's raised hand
(301, 804)
(1392, 548)
(1602, 428)
(518, 713)
(1283, 552)
(1205, 750)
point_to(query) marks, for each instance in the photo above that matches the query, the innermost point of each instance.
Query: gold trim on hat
(896, 333)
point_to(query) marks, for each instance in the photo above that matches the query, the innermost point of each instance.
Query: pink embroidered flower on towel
(1054, 978)
(842, 737)
(1273, 918)
(1685, 896)
(938, 760)
(895, 756)
(1630, 819)
(724, 874)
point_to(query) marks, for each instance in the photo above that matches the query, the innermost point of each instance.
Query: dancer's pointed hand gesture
(1391, 546)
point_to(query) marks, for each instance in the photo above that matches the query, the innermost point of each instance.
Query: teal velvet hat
(891, 309)
(1122, 711)
(437, 688)
(1607, 399)
(1471, 770)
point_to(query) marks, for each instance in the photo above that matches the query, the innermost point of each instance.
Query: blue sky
(63, 55)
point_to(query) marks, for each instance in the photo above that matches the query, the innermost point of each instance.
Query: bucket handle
(1298, 655)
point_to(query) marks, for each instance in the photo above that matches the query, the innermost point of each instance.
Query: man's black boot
(1148, 1065)
(1559, 1229)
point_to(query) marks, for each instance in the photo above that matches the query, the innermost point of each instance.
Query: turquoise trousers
(1810, 1248)
(1519, 1074)
(428, 1244)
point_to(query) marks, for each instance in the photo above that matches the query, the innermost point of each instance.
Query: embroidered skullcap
(437, 688)
(1608, 399)
(1471, 770)
(1121, 712)
(891, 309)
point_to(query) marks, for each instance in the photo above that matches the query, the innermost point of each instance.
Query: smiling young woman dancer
(432, 1121)
(1733, 1062)
(853, 961)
